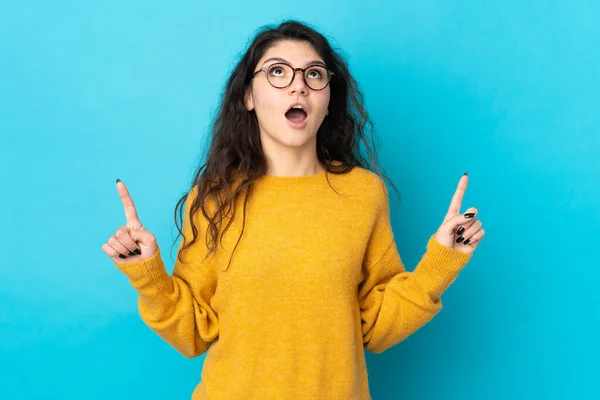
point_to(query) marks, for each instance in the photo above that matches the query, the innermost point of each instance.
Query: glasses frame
(329, 75)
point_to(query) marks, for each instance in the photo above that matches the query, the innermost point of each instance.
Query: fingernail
(466, 173)
(118, 180)
(131, 253)
(469, 215)
(467, 241)
(460, 230)
(138, 252)
(122, 256)
(460, 239)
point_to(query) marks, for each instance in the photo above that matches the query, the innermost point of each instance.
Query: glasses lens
(316, 77)
(281, 75)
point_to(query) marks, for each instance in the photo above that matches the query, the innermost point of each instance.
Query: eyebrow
(314, 62)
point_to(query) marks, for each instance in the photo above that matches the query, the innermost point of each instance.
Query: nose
(298, 84)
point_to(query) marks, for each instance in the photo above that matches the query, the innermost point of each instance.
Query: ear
(248, 100)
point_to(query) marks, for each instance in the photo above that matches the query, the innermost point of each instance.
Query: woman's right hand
(131, 242)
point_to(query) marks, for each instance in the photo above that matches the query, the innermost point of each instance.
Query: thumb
(143, 237)
(145, 241)
(451, 222)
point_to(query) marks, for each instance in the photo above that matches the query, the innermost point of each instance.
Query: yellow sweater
(316, 279)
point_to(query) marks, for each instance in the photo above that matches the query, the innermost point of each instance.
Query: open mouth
(296, 115)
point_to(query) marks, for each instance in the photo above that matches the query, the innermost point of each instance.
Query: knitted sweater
(315, 279)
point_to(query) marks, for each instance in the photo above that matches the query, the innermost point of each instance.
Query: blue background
(508, 91)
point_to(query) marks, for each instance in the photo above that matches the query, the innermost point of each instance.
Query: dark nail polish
(466, 173)
(469, 215)
(467, 241)
(131, 253)
(460, 239)
(122, 256)
(137, 251)
(118, 180)
(460, 230)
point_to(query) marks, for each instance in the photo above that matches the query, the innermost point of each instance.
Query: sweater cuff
(439, 267)
(149, 276)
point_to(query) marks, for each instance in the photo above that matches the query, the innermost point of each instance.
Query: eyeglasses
(281, 75)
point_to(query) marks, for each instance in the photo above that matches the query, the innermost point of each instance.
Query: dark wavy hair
(235, 153)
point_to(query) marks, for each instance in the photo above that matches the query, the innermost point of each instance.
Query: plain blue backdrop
(508, 91)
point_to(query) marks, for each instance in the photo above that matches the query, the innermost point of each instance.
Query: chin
(307, 133)
(289, 136)
(296, 141)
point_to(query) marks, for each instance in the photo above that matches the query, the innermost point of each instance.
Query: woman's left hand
(459, 231)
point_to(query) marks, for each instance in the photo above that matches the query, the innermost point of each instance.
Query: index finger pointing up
(130, 211)
(457, 199)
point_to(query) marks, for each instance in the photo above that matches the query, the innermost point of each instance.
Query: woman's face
(271, 104)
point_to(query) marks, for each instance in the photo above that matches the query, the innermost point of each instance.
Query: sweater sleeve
(394, 303)
(177, 307)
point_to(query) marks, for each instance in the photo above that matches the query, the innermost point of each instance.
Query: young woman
(285, 299)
